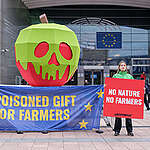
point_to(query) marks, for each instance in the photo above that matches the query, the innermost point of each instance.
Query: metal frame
(132, 60)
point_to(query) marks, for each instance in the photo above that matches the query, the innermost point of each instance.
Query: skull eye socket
(41, 49)
(65, 50)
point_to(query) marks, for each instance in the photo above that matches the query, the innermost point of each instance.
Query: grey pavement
(81, 140)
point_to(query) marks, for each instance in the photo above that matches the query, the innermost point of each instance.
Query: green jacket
(123, 75)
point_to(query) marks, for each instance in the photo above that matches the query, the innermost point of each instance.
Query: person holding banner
(122, 73)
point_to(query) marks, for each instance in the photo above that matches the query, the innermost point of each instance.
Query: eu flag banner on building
(109, 40)
(50, 108)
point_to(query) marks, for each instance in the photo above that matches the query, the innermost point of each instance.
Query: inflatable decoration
(47, 54)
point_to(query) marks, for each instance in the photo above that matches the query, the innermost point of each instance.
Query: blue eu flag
(109, 40)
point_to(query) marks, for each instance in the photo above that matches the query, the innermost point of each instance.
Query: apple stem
(43, 18)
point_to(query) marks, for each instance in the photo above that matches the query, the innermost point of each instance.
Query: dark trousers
(118, 124)
(146, 102)
(148, 98)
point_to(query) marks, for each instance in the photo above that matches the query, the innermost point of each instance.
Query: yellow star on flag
(83, 124)
(100, 94)
(88, 107)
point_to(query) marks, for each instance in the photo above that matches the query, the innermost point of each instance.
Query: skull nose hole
(53, 60)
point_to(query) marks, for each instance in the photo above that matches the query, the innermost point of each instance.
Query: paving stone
(81, 140)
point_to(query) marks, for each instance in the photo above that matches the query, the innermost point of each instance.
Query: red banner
(124, 98)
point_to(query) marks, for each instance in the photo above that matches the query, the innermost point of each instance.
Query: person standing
(146, 95)
(122, 73)
(143, 76)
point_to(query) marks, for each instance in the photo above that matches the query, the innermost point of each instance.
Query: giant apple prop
(47, 54)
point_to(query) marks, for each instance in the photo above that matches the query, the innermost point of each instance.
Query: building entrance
(93, 77)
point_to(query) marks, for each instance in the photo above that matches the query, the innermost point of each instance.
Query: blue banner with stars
(109, 40)
(25, 108)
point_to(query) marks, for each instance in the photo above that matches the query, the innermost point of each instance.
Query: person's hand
(104, 85)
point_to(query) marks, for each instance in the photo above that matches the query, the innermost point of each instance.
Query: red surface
(143, 76)
(41, 49)
(65, 51)
(36, 80)
(124, 110)
(53, 60)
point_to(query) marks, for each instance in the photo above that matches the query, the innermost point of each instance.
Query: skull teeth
(48, 76)
(38, 80)
(53, 75)
(57, 74)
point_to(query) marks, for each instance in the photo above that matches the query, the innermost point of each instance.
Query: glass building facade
(14, 17)
(86, 21)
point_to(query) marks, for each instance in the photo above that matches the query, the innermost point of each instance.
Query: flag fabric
(109, 40)
(50, 108)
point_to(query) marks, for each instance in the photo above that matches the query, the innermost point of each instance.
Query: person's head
(122, 66)
(143, 72)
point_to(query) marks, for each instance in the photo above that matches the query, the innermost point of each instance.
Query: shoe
(19, 132)
(116, 134)
(99, 131)
(44, 132)
(108, 125)
(130, 134)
